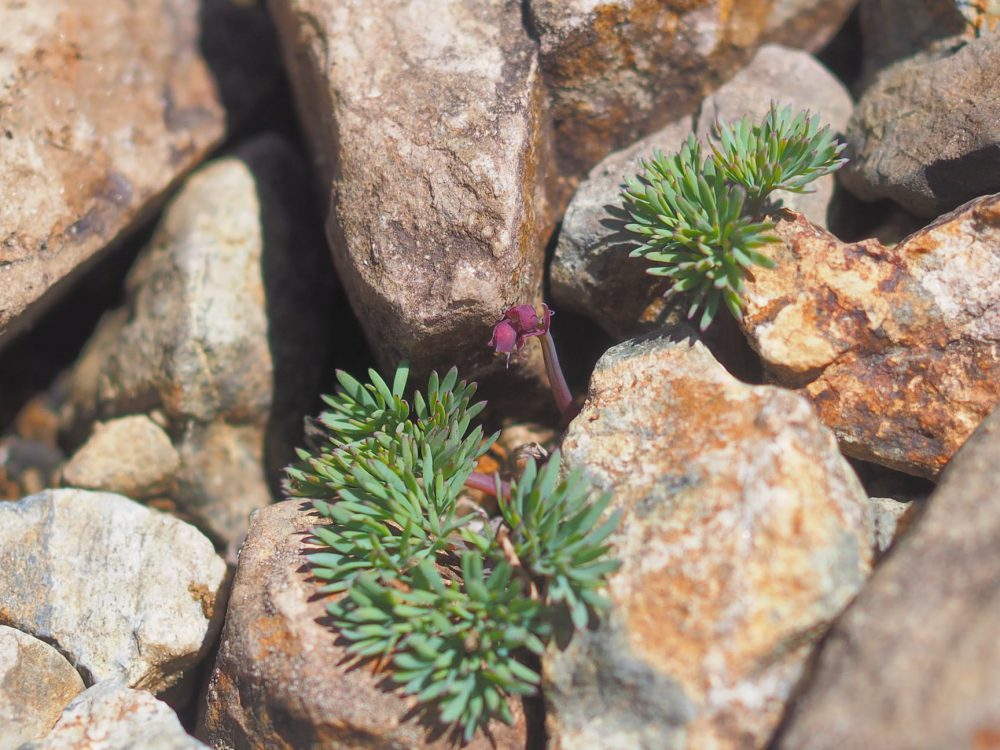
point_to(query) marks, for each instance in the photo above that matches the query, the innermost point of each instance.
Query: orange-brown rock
(617, 70)
(744, 534)
(283, 678)
(105, 105)
(896, 347)
(428, 122)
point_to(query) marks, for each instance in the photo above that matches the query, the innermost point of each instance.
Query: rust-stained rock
(896, 347)
(806, 24)
(428, 122)
(36, 683)
(926, 133)
(225, 331)
(744, 534)
(915, 661)
(105, 105)
(282, 677)
(617, 70)
(591, 273)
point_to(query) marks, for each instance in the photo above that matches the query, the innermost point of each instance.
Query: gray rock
(915, 661)
(617, 70)
(121, 590)
(131, 456)
(105, 107)
(428, 123)
(886, 517)
(744, 534)
(110, 716)
(36, 683)
(227, 331)
(591, 273)
(806, 24)
(926, 132)
(282, 677)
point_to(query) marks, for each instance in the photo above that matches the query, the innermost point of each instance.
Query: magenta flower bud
(504, 339)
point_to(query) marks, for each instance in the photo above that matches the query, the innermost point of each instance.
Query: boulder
(744, 534)
(105, 107)
(283, 678)
(123, 591)
(915, 661)
(427, 120)
(896, 347)
(36, 683)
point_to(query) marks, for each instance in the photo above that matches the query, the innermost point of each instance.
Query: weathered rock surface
(427, 119)
(888, 518)
(131, 456)
(915, 661)
(226, 331)
(281, 678)
(105, 106)
(896, 29)
(926, 133)
(36, 683)
(744, 534)
(806, 24)
(618, 69)
(110, 716)
(898, 348)
(122, 590)
(592, 274)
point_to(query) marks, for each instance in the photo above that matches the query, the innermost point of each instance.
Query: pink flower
(518, 324)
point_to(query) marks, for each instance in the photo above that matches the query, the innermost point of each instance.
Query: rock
(806, 24)
(915, 661)
(926, 133)
(887, 517)
(896, 347)
(227, 332)
(591, 273)
(110, 716)
(744, 534)
(36, 683)
(427, 119)
(896, 29)
(130, 456)
(105, 107)
(617, 70)
(121, 590)
(282, 678)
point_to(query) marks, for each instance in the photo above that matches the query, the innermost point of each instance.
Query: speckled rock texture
(123, 591)
(105, 105)
(897, 348)
(915, 661)
(36, 683)
(926, 132)
(131, 456)
(427, 120)
(591, 273)
(226, 331)
(617, 70)
(744, 534)
(282, 678)
(110, 716)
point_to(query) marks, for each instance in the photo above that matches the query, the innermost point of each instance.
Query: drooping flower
(518, 324)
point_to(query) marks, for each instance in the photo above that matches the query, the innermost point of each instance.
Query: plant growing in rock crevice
(453, 603)
(700, 217)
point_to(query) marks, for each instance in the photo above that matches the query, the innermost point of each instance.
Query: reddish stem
(557, 382)
(487, 483)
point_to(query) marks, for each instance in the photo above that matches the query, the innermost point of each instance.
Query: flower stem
(557, 382)
(486, 483)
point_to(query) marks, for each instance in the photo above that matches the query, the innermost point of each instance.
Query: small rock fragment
(915, 661)
(283, 679)
(36, 683)
(123, 591)
(110, 716)
(744, 534)
(130, 456)
(886, 517)
(896, 347)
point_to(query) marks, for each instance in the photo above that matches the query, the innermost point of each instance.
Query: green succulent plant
(699, 217)
(455, 604)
